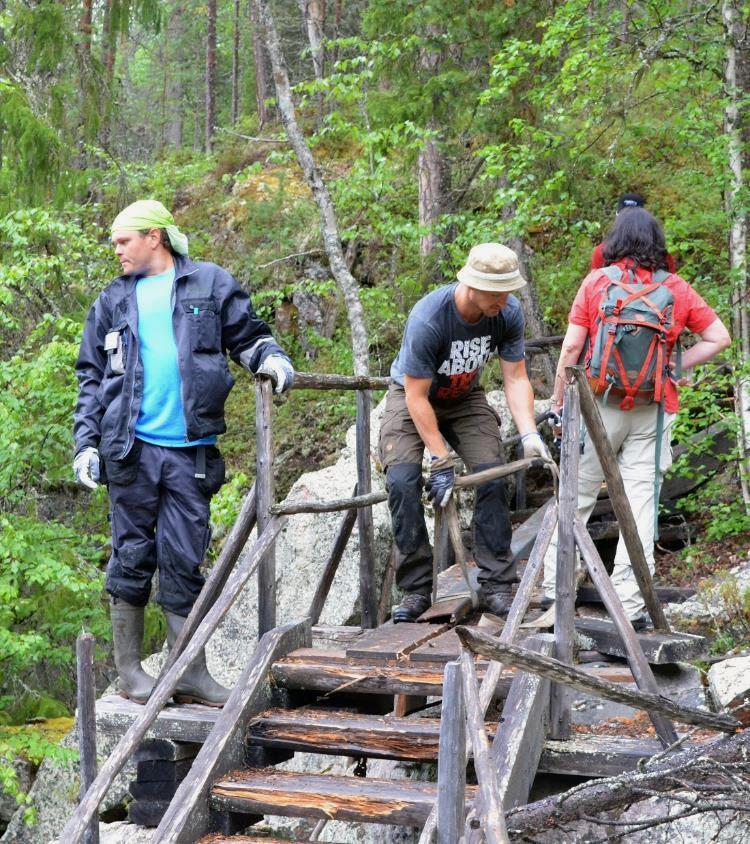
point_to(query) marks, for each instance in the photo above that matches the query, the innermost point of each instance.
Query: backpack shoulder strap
(660, 276)
(612, 272)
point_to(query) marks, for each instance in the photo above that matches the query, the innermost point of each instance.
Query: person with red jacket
(627, 200)
(635, 244)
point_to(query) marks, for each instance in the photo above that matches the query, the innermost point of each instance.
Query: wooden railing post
(264, 486)
(565, 582)
(86, 699)
(368, 600)
(451, 801)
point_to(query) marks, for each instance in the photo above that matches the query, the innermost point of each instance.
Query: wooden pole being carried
(309, 506)
(86, 698)
(620, 504)
(265, 494)
(565, 582)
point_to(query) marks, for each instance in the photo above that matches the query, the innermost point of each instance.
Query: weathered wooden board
(186, 723)
(525, 534)
(588, 755)
(451, 608)
(443, 648)
(348, 734)
(522, 733)
(360, 677)
(393, 641)
(218, 838)
(658, 648)
(271, 791)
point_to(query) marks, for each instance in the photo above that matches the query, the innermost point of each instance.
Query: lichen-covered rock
(729, 682)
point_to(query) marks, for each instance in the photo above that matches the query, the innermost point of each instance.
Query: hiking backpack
(629, 358)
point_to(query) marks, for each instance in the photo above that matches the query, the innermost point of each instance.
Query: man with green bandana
(153, 379)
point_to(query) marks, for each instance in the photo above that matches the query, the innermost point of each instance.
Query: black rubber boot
(411, 607)
(127, 636)
(498, 602)
(196, 685)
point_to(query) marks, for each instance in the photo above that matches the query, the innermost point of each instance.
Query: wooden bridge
(458, 687)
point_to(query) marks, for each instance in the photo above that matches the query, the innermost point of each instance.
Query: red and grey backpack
(629, 358)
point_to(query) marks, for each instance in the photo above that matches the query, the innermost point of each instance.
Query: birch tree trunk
(329, 227)
(313, 15)
(737, 75)
(210, 74)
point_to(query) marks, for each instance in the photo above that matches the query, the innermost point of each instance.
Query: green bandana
(149, 214)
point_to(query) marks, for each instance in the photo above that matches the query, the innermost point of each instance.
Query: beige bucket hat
(492, 267)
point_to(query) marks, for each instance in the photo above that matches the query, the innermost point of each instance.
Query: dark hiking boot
(196, 685)
(498, 602)
(546, 602)
(127, 636)
(411, 607)
(642, 623)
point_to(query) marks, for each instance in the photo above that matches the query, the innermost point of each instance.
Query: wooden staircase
(294, 698)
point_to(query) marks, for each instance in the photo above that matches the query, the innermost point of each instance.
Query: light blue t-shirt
(161, 420)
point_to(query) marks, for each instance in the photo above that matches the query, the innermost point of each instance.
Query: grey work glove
(533, 446)
(442, 478)
(280, 370)
(86, 467)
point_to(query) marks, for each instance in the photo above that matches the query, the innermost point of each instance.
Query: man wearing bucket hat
(153, 379)
(435, 402)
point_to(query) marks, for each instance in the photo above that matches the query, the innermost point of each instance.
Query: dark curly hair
(636, 234)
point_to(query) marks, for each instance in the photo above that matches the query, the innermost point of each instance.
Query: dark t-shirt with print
(439, 344)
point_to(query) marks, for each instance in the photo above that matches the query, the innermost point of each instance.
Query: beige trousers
(633, 437)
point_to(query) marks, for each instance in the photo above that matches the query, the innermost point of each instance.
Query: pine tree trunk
(109, 54)
(85, 26)
(433, 173)
(737, 77)
(433, 167)
(173, 84)
(236, 63)
(210, 74)
(262, 88)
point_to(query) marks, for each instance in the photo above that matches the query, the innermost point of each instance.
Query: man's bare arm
(520, 395)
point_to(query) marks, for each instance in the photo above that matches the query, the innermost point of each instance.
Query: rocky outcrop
(729, 683)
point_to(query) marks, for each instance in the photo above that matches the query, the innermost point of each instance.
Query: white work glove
(280, 370)
(86, 467)
(533, 446)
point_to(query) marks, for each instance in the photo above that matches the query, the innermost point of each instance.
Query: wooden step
(339, 733)
(219, 838)
(270, 791)
(658, 648)
(306, 669)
